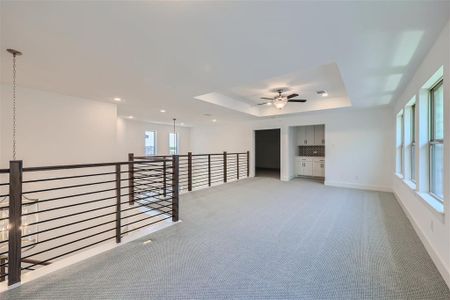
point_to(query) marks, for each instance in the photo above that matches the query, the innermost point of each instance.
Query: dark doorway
(267, 153)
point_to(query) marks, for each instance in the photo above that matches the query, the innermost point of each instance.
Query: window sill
(410, 184)
(399, 175)
(434, 203)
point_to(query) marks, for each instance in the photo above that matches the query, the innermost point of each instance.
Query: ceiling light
(280, 102)
(117, 99)
(163, 110)
(130, 117)
(269, 103)
(214, 120)
(322, 93)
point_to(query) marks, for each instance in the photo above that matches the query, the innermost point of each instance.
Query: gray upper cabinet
(319, 135)
(311, 135)
(301, 135)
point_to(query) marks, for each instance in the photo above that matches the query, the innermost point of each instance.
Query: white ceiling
(306, 83)
(163, 54)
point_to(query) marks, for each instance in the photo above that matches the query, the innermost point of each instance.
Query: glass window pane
(437, 170)
(413, 162)
(438, 112)
(173, 143)
(413, 123)
(150, 143)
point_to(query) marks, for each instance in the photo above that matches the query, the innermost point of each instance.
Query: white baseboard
(358, 186)
(438, 262)
(106, 246)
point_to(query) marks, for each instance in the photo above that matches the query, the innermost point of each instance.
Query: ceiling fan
(280, 100)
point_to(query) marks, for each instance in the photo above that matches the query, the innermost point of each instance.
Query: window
(412, 145)
(150, 143)
(400, 141)
(436, 141)
(173, 143)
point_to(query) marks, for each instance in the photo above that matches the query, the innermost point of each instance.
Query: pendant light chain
(14, 108)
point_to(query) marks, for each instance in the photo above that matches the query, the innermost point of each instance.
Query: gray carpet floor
(262, 239)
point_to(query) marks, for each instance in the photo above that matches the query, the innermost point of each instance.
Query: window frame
(401, 144)
(432, 142)
(154, 142)
(176, 143)
(412, 145)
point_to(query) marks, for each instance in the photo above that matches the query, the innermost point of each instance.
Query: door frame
(253, 159)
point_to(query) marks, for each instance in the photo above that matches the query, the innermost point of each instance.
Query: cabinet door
(322, 168)
(309, 135)
(319, 135)
(316, 169)
(308, 168)
(301, 136)
(298, 168)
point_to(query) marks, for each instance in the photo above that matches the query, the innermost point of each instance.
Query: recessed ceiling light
(322, 93)
(163, 110)
(130, 117)
(117, 99)
(181, 123)
(269, 103)
(214, 120)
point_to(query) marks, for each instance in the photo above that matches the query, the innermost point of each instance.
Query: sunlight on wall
(407, 46)
(392, 82)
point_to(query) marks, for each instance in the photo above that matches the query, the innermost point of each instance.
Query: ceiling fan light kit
(280, 100)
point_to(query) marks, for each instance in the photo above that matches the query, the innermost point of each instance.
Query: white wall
(56, 129)
(131, 133)
(358, 151)
(432, 227)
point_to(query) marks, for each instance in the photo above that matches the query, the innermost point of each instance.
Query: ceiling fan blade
(297, 100)
(266, 98)
(292, 96)
(264, 103)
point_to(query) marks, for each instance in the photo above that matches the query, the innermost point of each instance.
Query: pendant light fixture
(175, 135)
(31, 209)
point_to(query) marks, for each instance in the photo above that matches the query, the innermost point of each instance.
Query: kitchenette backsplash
(311, 151)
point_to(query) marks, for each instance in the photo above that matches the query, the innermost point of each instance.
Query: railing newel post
(237, 162)
(118, 206)
(225, 166)
(131, 178)
(175, 188)
(164, 177)
(15, 221)
(248, 163)
(189, 171)
(209, 169)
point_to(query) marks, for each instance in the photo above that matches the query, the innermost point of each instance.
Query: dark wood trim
(189, 171)
(175, 186)
(225, 166)
(2, 269)
(164, 179)
(131, 178)
(209, 169)
(248, 163)
(237, 163)
(118, 206)
(15, 221)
